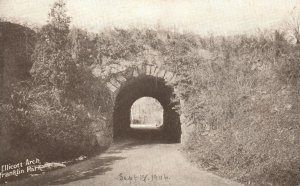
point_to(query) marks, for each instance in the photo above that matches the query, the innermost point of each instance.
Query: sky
(220, 17)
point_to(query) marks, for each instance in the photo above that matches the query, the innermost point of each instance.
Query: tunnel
(146, 86)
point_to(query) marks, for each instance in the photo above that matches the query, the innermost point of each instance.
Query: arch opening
(139, 87)
(146, 113)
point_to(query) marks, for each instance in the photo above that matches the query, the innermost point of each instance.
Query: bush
(243, 102)
(61, 132)
(50, 131)
(59, 104)
(15, 143)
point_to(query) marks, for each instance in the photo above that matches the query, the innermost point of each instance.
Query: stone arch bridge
(143, 80)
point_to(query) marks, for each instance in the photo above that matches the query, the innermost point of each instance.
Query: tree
(293, 25)
(53, 66)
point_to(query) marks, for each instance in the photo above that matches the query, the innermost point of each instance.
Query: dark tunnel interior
(146, 86)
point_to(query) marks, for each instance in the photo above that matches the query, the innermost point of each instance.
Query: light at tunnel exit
(146, 113)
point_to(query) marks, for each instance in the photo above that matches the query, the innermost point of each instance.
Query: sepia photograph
(150, 92)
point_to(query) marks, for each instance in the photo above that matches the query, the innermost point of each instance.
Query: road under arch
(146, 86)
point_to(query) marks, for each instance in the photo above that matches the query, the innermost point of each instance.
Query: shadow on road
(100, 165)
(81, 171)
(96, 167)
(143, 136)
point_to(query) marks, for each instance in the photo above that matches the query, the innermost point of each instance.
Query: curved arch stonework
(135, 82)
(114, 83)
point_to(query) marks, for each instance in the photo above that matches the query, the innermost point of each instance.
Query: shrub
(52, 113)
(61, 132)
(243, 102)
(13, 132)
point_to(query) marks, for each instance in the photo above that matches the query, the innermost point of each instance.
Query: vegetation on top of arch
(115, 50)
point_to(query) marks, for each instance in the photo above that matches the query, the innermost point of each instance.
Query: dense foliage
(54, 113)
(244, 102)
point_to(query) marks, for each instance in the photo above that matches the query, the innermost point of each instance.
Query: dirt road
(131, 163)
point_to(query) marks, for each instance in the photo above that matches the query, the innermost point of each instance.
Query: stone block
(161, 73)
(111, 87)
(121, 79)
(115, 83)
